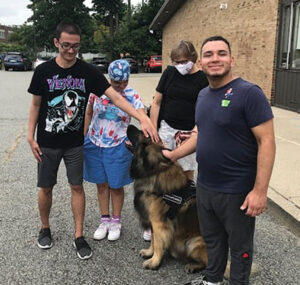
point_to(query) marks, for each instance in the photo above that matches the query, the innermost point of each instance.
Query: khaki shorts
(51, 158)
(167, 134)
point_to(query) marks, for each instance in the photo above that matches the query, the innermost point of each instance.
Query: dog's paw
(146, 253)
(151, 264)
(193, 267)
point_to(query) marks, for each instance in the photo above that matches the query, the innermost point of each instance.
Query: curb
(284, 218)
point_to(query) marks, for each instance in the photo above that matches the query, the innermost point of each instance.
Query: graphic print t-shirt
(65, 93)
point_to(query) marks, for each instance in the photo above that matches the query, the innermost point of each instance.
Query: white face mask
(184, 68)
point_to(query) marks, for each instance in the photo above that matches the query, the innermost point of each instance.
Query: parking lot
(22, 262)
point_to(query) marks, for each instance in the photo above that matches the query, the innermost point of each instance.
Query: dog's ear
(133, 134)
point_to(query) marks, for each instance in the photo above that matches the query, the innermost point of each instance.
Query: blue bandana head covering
(119, 70)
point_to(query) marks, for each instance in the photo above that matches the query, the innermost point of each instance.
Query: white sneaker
(201, 281)
(102, 231)
(147, 235)
(114, 231)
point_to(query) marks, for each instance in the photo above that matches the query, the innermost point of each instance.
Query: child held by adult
(106, 158)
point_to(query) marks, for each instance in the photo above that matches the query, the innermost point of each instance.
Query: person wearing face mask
(175, 98)
(173, 107)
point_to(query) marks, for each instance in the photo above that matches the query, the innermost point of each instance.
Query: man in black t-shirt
(60, 90)
(235, 154)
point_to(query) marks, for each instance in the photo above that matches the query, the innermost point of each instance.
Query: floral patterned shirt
(109, 123)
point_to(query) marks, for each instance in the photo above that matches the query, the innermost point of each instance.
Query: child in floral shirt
(106, 158)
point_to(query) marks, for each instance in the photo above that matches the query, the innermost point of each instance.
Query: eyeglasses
(67, 46)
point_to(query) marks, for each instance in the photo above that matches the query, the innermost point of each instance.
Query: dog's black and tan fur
(155, 175)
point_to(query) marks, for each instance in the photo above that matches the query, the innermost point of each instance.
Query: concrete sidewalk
(284, 190)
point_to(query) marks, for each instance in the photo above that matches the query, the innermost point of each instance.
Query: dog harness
(177, 199)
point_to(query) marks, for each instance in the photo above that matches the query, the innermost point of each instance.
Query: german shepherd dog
(175, 229)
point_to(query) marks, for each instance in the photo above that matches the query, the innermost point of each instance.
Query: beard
(219, 76)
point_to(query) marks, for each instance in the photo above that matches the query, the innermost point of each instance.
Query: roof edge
(165, 13)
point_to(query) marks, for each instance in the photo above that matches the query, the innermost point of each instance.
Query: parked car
(17, 61)
(101, 63)
(134, 68)
(0, 63)
(154, 63)
(40, 59)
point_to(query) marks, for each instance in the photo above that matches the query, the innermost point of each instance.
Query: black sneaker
(83, 249)
(44, 240)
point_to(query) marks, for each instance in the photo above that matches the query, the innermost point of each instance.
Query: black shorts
(51, 158)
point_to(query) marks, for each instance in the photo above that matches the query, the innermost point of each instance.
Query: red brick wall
(249, 25)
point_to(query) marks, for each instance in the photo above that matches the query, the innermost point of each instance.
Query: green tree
(108, 15)
(130, 35)
(6, 47)
(48, 13)
(136, 38)
(24, 37)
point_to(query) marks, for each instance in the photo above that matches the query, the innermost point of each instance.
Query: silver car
(40, 60)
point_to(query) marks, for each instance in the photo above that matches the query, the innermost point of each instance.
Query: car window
(13, 56)
(99, 59)
(45, 58)
(129, 59)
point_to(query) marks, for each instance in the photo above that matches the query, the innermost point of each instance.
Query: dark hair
(186, 49)
(216, 38)
(67, 27)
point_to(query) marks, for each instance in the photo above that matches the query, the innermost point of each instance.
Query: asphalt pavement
(113, 263)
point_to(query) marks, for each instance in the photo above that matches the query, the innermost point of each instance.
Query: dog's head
(147, 156)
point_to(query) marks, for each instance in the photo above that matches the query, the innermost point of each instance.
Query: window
(2, 34)
(285, 27)
(289, 52)
(295, 50)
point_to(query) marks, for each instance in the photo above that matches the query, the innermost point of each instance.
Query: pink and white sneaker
(114, 231)
(102, 230)
(147, 235)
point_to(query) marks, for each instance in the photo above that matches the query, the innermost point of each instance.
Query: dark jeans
(223, 226)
